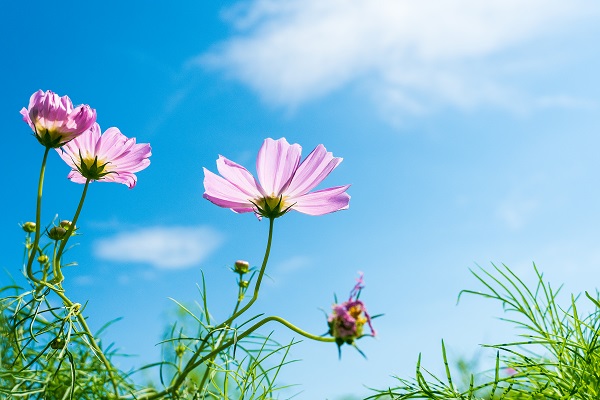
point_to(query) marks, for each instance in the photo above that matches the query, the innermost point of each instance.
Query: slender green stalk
(223, 334)
(181, 378)
(38, 217)
(92, 340)
(192, 362)
(258, 280)
(247, 306)
(58, 276)
(253, 328)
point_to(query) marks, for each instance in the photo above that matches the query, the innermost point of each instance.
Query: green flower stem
(213, 354)
(58, 276)
(38, 217)
(192, 362)
(210, 356)
(258, 280)
(92, 340)
(247, 306)
(223, 334)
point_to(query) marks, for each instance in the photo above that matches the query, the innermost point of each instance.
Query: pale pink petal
(225, 194)
(82, 146)
(240, 177)
(121, 156)
(275, 165)
(135, 160)
(26, 118)
(315, 167)
(76, 177)
(54, 120)
(323, 201)
(125, 178)
(111, 144)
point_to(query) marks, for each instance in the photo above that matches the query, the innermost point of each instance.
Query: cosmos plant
(47, 347)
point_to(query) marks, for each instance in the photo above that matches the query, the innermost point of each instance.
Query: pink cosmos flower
(284, 183)
(54, 120)
(346, 322)
(110, 157)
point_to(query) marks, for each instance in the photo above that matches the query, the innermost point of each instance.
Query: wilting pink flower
(283, 182)
(346, 322)
(54, 120)
(110, 157)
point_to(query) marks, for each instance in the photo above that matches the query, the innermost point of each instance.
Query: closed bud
(179, 350)
(241, 267)
(244, 284)
(43, 259)
(28, 227)
(57, 233)
(58, 343)
(65, 224)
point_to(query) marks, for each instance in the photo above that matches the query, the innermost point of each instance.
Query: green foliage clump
(556, 357)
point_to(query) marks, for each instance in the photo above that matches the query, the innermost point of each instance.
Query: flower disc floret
(284, 183)
(109, 157)
(54, 120)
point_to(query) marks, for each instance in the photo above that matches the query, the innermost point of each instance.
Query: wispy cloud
(412, 55)
(171, 247)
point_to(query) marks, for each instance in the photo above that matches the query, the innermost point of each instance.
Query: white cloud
(412, 55)
(163, 247)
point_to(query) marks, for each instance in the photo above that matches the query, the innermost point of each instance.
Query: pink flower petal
(225, 194)
(120, 156)
(315, 167)
(54, 120)
(322, 201)
(240, 177)
(275, 165)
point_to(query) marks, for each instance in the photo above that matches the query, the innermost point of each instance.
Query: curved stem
(223, 334)
(255, 327)
(38, 217)
(92, 340)
(261, 273)
(192, 362)
(58, 276)
(173, 388)
(258, 280)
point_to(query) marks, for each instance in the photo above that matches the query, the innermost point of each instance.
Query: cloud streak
(412, 55)
(172, 247)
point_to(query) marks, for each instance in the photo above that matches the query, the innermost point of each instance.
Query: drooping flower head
(109, 157)
(53, 119)
(284, 183)
(347, 320)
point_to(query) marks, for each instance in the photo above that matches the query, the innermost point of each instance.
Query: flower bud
(244, 284)
(58, 343)
(180, 350)
(241, 267)
(28, 227)
(65, 224)
(57, 233)
(43, 259)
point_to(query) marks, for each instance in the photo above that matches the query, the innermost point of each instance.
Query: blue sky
(469, 132)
